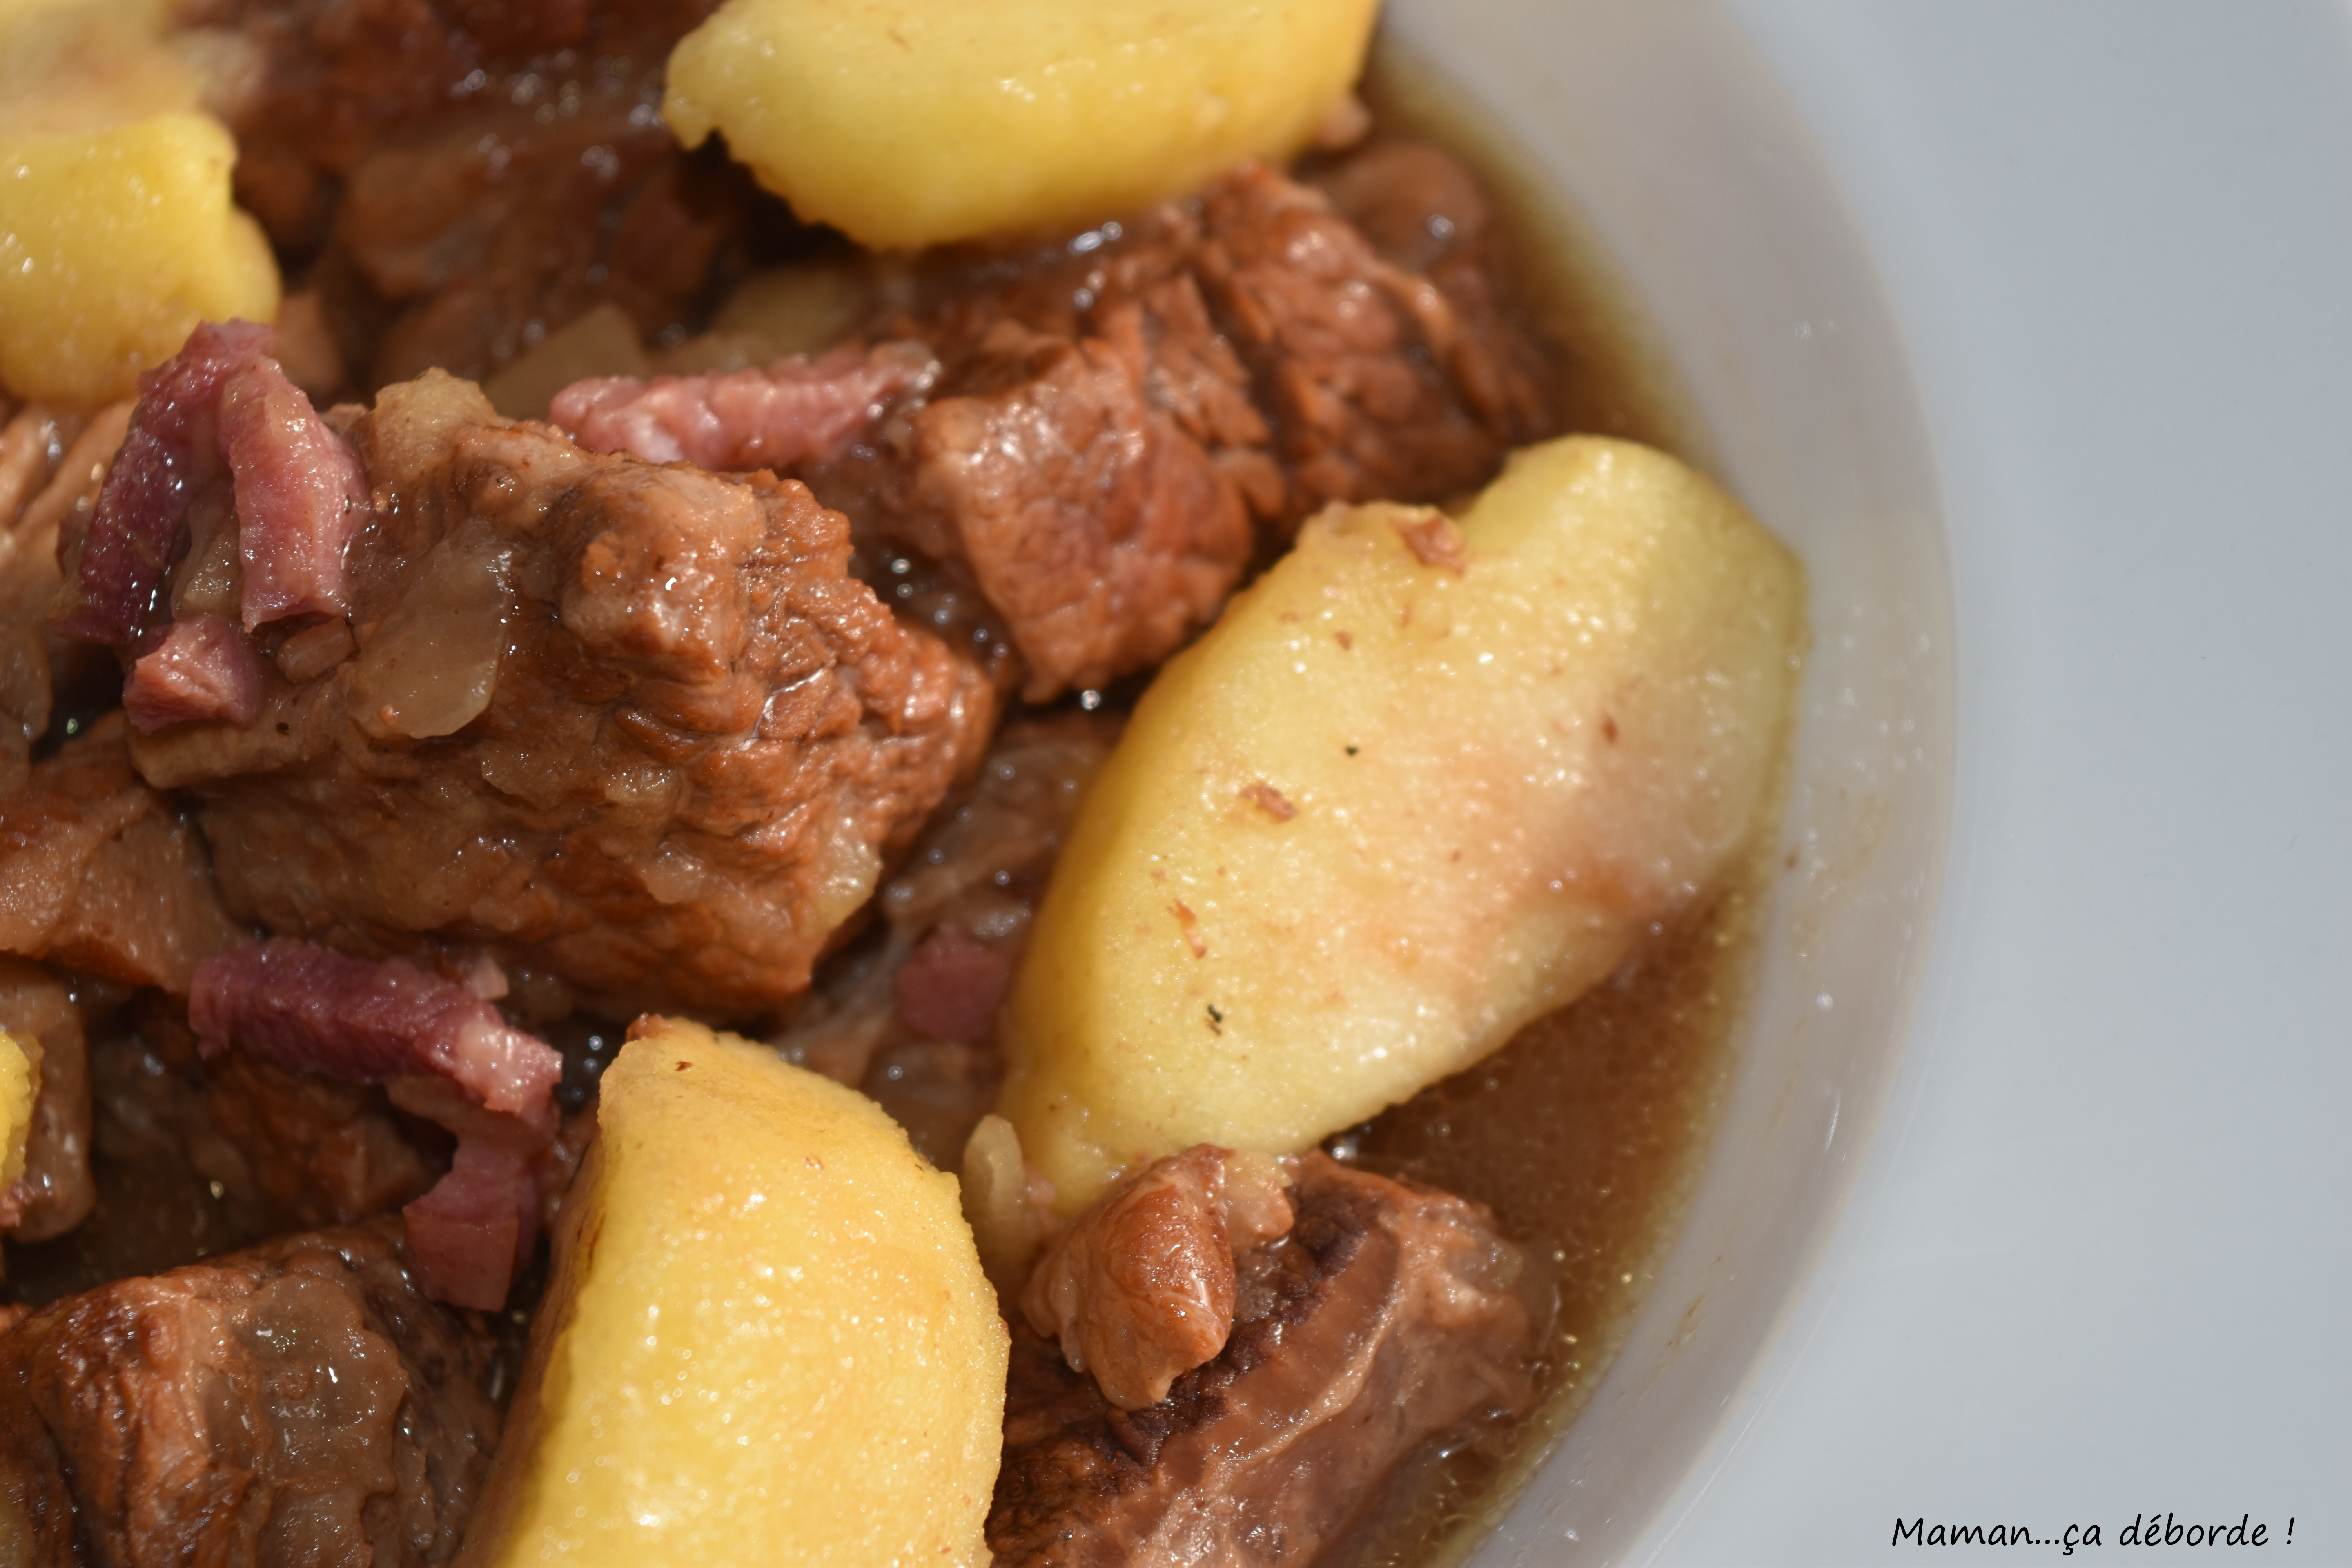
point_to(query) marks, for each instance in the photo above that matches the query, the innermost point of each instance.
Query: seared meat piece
(97, 872)
(1244, 355)
(907, 1016)
(316, 1150)
(1139, 1289)
(297, 1402)
(441, 1052)
(634, 728)
(1094, 523)
(472, 174)
(1383, 1318)
(55, 1192)
(193, 1158)
(1111, 417)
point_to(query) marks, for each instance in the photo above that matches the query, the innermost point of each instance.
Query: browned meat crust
(1114, 414)
(295, 1402)
(1383, 1318)
(470, 174)
(632, 727)
(50, 467)
(97, 872)
(317, 1151)
(1140, 1289)
(909, 1014)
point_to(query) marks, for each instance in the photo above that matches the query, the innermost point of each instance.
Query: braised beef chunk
(1110, 422)
(1110, 417)
(298, 1403)
(1384, 1317)
(315, 1150)
(97, 872)
(469, 174)
(1139, 1288)
(442, 1053)
(189, 1161)
(634, 728)
(908, 1014)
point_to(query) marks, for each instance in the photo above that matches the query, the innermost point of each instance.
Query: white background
(2097, 1265)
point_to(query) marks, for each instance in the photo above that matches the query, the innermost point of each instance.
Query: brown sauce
(1587, 1133)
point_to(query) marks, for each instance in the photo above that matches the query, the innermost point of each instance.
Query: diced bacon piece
(797, 411)
(115, 567)
(311, 1010)
(952, 986)
(301, 495)
(471, 1235)
(203, 668)
(221, 408)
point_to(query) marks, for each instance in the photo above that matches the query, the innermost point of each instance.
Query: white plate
(2097, 261)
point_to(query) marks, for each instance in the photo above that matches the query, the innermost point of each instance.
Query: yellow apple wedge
(1423, 781)
(767, 1337)
(905, 123)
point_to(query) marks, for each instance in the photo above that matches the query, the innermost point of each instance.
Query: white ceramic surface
(2097, 260)
(2099, 1263)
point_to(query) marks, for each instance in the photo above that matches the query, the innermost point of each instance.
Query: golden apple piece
(20, 1084)
(906, 123)
(767, 1337)
(113, 245)
(1425, 781)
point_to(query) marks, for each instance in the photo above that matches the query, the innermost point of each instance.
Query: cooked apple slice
(910, 123)
(767, 1337)
(20, 1084)
(1422, 783)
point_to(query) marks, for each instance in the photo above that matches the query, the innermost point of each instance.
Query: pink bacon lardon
(221, 410)
(797, 411)
(202, 667)
(443, 1053)
(301, 495)
(115, 568)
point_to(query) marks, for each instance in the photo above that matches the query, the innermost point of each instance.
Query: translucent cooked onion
(430, 669)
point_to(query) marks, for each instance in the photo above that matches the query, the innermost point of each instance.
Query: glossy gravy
(1586, 1134)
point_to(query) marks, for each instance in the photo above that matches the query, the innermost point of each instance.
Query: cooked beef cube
(1422, 209)
(56, 1191)
(1112, 415)
(1139, 1288)
(297, 1402)
(1245, 355)
(908, 1014)
(468, 174)
(630, 727)
(97, 872)
(194, 1159)
(441, 1052)
(1382, 1320)
(317, 1150)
